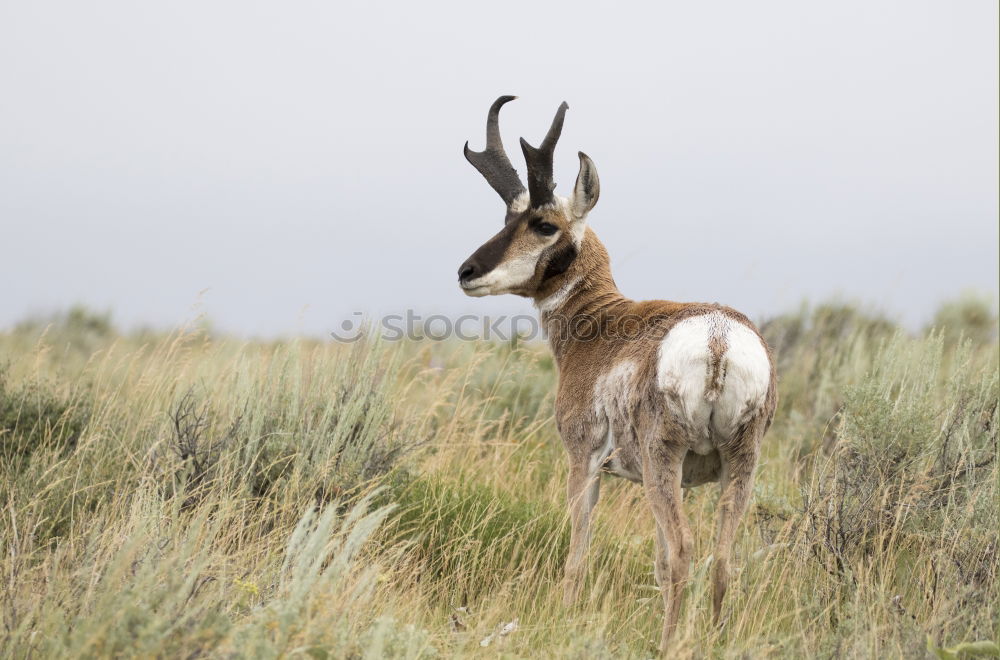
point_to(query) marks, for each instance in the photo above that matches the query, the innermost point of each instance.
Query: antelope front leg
(583, 490)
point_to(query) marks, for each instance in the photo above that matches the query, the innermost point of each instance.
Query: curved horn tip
(507, 98)
(470, 154)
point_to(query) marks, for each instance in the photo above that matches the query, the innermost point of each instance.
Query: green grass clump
(971, 316)
(34, 416)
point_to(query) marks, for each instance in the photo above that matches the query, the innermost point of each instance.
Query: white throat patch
(554, 301)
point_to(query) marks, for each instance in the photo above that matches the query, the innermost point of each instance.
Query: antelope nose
(467, 271)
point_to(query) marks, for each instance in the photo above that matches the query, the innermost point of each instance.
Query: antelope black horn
(540, 183)
(492, 162)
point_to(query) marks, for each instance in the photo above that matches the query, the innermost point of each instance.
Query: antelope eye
(546, 229)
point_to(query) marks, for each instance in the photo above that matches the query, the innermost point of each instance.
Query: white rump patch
(682, 374)
(748, 377)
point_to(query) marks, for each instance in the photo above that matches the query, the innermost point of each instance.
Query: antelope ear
(587, 188)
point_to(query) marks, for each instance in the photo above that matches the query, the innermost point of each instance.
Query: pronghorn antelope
(670, 395)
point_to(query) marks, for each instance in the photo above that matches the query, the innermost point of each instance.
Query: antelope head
(542, 231)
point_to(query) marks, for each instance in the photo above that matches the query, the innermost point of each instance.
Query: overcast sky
(280, 165)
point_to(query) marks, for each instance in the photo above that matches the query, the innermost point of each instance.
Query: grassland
(184, 494)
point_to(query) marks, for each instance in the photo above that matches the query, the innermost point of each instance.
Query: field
(188, 494)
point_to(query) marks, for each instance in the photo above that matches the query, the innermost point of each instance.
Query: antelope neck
(588, 294)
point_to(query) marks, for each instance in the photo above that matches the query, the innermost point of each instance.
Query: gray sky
(280, 165)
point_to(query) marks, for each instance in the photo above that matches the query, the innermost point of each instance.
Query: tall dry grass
(185, 495)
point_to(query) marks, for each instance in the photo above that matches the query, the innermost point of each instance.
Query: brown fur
(656, 448)
(607, 351)
(597, 298)
(717, 346)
